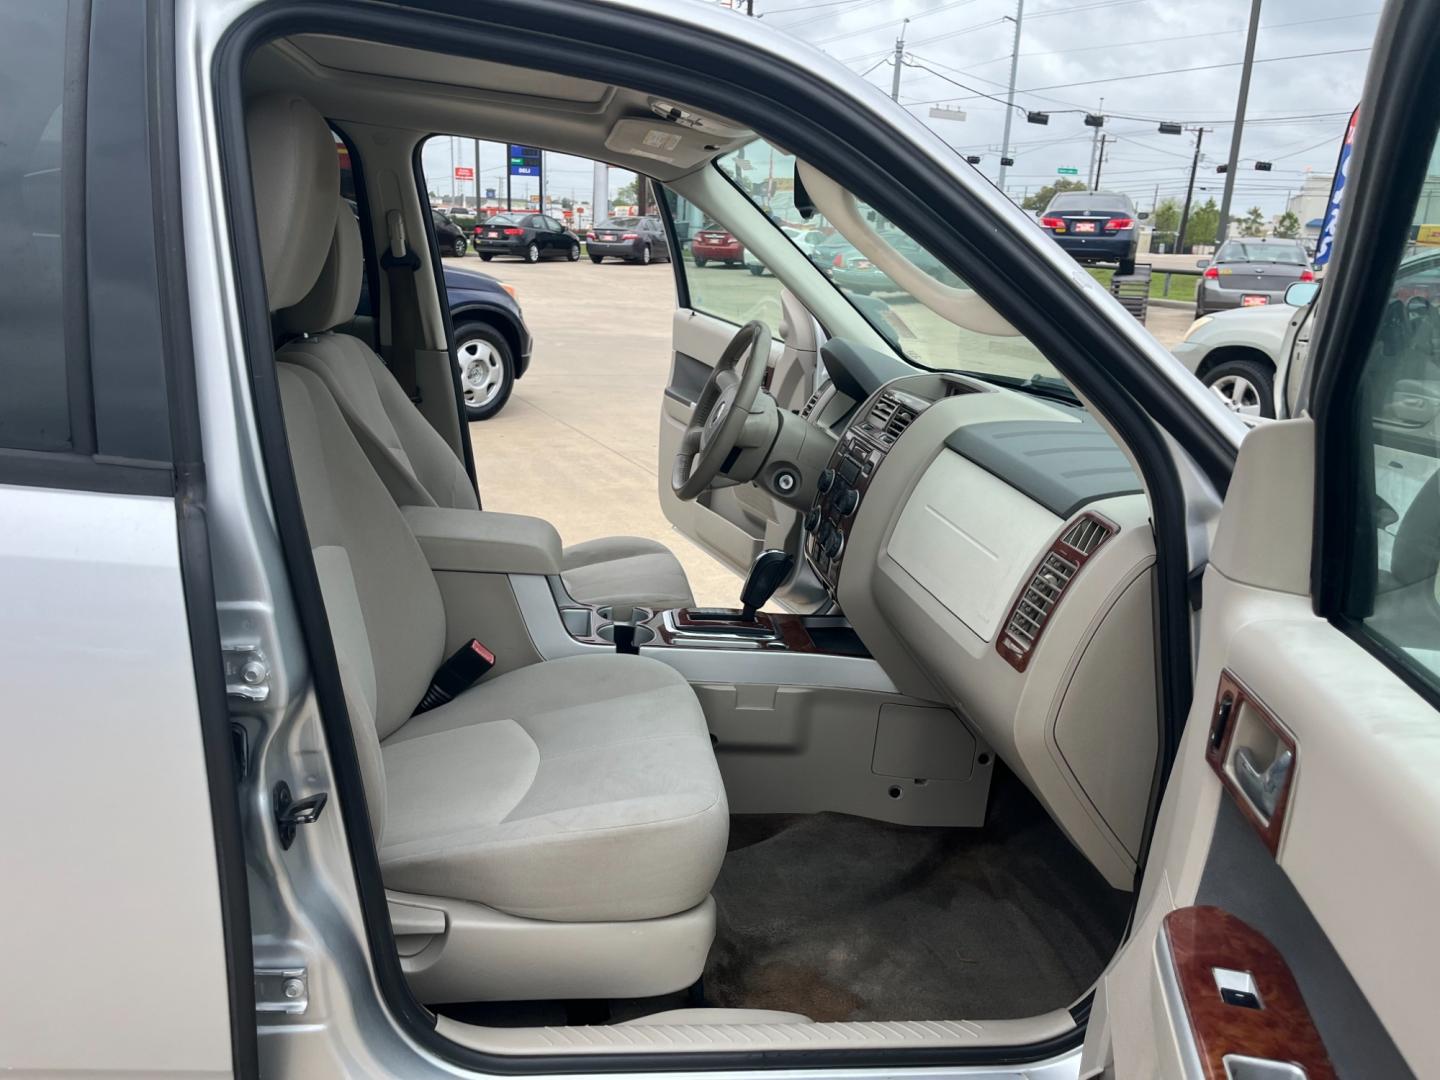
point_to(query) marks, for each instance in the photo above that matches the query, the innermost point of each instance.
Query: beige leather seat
(556, 818)
(417, 465)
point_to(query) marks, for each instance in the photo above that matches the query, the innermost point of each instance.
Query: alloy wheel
(1238, 393)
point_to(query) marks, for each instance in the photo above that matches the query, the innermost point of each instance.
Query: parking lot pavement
(577, 443)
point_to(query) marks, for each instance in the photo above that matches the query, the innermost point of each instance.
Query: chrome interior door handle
(1263, 788)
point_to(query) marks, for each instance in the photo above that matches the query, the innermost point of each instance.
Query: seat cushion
(575, 790)
(626, 570)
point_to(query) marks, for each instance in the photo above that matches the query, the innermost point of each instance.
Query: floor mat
(843, 918)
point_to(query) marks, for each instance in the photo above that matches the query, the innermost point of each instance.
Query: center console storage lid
(484, 542)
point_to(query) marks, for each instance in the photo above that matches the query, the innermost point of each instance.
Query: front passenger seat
(417, 465)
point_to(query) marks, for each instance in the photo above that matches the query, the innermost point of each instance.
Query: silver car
(1250, 273)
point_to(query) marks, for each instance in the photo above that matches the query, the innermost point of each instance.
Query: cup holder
(642, 614)
(643, 634)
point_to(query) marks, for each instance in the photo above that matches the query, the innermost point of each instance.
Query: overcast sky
(1073, 53)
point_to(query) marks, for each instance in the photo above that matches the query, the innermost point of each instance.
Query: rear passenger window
(35, 226)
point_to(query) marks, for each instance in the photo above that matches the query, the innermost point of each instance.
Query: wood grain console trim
(1201, 939)
(1232, 698)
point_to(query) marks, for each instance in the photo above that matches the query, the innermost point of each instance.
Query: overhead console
(993, 550)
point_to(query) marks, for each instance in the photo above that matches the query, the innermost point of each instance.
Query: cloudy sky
(1149, 60)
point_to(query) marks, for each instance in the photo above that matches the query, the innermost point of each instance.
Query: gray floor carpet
(842, 918)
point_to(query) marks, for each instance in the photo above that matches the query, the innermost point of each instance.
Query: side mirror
(1201, 264)
(1144, 215)
(1300, 293)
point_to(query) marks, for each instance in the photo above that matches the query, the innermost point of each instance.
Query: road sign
(946, 112)
(464, 172)
(524, 160)
(1068, 170)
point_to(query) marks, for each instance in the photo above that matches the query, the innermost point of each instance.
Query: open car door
(1286, 921)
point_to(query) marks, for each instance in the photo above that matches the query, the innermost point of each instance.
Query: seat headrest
(295, 170)
(332, 300)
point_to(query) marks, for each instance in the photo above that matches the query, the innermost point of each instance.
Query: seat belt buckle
(462, 670)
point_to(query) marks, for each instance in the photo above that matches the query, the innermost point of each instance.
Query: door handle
(1263, 788)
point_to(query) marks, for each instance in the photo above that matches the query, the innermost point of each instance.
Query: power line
(891, 22)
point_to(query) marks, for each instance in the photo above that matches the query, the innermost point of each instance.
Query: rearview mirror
(1300, 293)
(1202, 263)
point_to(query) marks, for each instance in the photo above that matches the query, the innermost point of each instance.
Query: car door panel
(1346, 896)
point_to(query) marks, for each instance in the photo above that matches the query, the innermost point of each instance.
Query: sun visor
(660, 140)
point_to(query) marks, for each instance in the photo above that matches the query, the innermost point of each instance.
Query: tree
(1166, 222)
(1041, 199)
(1253, 223)
(1204, 220)
(626, 195)
(1288, 227)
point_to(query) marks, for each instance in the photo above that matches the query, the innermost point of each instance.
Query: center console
(841, 488)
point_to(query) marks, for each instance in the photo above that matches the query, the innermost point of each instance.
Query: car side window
(35, 227)
(1397, 409)
(722, 278)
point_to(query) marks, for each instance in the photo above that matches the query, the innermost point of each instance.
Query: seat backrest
(384, 607)
(413, 460)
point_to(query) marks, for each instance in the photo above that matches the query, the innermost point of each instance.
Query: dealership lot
(577, 443)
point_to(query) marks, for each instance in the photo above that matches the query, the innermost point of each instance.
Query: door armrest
(484, 542)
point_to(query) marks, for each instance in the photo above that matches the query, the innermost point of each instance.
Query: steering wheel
(720, 413)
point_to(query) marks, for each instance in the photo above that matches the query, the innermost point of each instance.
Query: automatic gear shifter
(767, 572)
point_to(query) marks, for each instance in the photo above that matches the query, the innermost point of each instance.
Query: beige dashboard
(1033, 619)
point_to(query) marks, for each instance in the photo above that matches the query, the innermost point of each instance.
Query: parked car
(450, 236)
(631, 239)
(715, 243)
(492, 342)
(1238, 353)
(1095, 226)
(807, 240)
(1250, 272)
(531, 237)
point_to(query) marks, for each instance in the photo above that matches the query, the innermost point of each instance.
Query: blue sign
(490, 193)
(1326, 243)
(524, 160)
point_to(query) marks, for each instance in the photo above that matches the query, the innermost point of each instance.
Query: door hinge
(291, 813)
(281, 990)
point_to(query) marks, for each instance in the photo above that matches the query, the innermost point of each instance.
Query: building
(1309, 204)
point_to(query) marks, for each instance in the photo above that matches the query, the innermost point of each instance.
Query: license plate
(1084, 226)
(1253, 301)
(493, 235)
(607, 236)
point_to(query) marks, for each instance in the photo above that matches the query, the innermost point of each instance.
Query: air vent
(881, 412)
(899, 421)
(1043, 591)
(1086, 535)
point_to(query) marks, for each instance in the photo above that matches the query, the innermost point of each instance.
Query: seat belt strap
(400, 265)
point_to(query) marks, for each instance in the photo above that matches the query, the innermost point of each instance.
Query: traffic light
(1167, 128)
(1263, 166)
(1037, 118)
(1222, 168)
(1007, 161)
(973, 159)
(1094, 120)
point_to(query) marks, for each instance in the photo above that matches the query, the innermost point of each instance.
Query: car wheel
(597, 259)
(1245, 386)
(700, 260)
(574, 253)
(645, 255)
(758, 271)
(487, 369)
(532, 254)
(485, 257)
(458, 249)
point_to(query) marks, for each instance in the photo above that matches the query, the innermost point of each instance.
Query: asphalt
(578, 442)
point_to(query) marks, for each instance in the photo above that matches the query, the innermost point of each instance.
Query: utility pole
(1010, 97)
(1100, 161)
(1189, 192)
(477, 176)
(1239, 128)
(899, 59)
(1094, 144)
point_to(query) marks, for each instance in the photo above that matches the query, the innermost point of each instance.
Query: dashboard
(993, 550)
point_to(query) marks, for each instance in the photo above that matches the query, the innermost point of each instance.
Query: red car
(713, 242)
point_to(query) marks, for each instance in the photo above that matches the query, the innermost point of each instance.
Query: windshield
(1086, 201)
(766, 175)
(1239, 251)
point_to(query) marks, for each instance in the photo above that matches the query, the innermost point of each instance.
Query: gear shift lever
(770, 568)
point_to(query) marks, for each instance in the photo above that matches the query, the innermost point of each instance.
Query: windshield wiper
(1046, 386)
